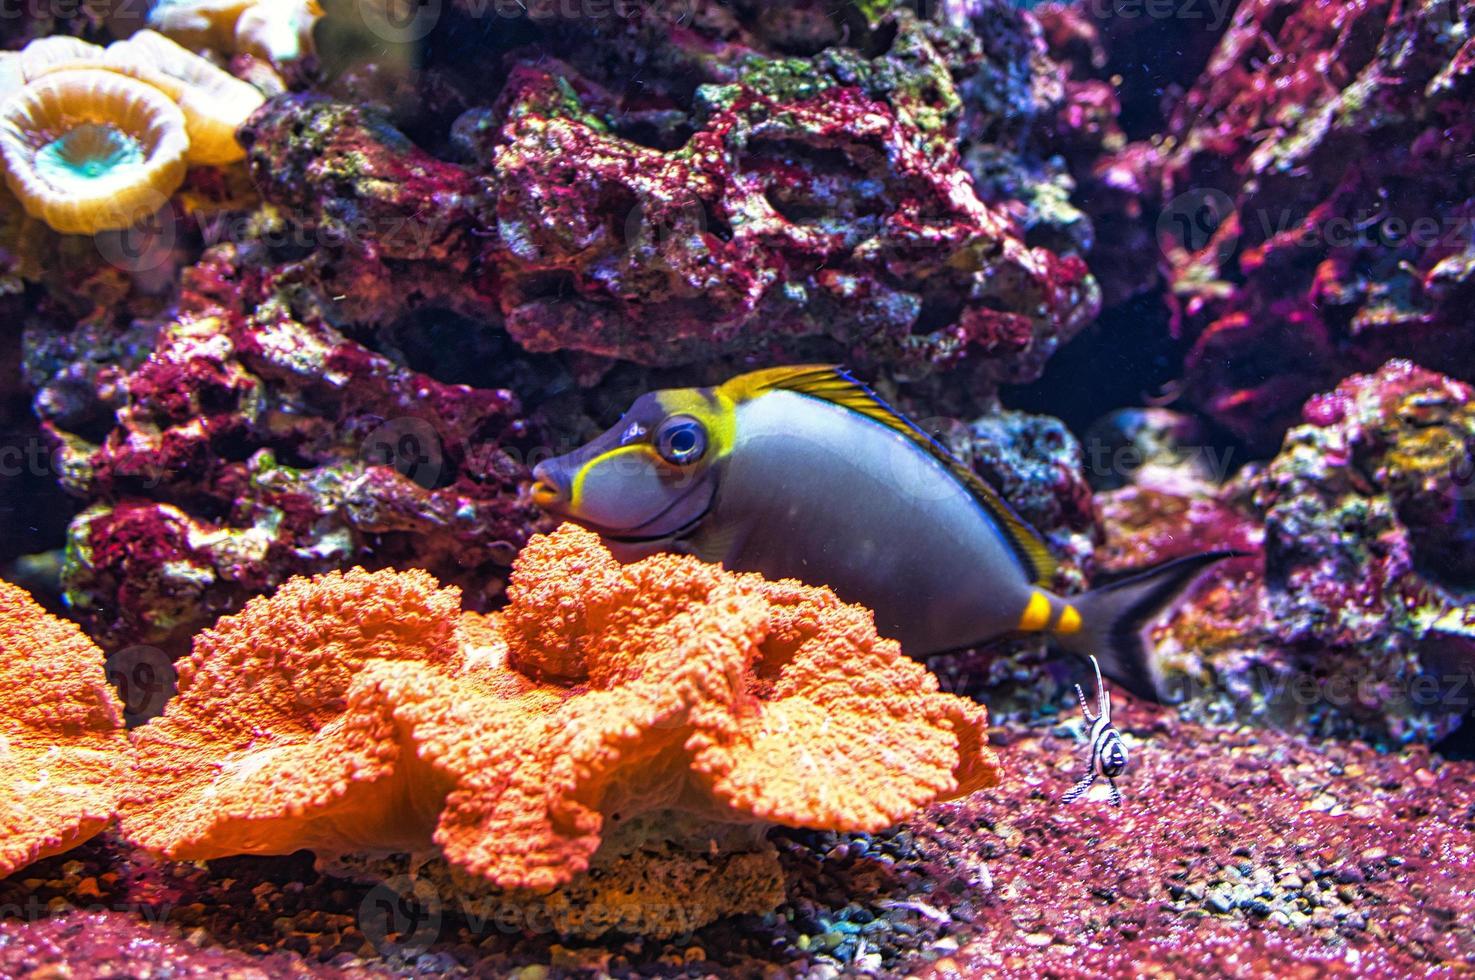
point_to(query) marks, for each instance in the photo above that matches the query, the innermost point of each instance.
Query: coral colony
(330, 647)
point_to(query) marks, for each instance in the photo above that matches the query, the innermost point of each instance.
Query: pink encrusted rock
(1236, 853)
(803, 209)
(253, 444)
(1352, 616)
(1332, 237)
(384, 226)
(1296, 192)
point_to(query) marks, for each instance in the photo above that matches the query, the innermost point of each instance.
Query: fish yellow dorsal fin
(833, 384)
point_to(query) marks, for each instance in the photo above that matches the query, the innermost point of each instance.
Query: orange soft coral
(356, 712)
(63, 755)
(271, 745)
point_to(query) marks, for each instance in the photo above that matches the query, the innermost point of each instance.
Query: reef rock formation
(739, 203)
(64, 758)
(1350, 236)
(254, 442)
(1307, 202)
(1359, 622)
(665, 704)
(268, 381)
(1036, 464)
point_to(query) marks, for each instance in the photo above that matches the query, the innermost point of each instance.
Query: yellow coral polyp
(97, 139)
(279, 31)
(42, 56)
(48, 54)
(88, 150)
(215, 103)
(199, 23)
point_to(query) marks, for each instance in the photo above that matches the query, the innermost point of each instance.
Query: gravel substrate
(1237, 852)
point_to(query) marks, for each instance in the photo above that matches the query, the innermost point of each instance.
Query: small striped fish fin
(837, 386)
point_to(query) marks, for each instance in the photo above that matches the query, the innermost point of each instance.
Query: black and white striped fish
(1108, 757)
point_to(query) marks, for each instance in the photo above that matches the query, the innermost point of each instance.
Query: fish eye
(681, 441)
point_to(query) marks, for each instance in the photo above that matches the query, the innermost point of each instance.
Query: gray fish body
(819, 493)
(802, 472)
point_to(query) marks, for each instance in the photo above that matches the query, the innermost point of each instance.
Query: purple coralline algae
(1237, 853)
(1035, 462)
(1306, 205)
(244, 439)
(383, 226)
(810, 201)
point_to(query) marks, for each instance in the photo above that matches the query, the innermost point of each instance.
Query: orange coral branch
(63, 754)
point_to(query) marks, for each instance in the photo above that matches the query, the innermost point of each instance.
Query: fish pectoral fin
(714, 545)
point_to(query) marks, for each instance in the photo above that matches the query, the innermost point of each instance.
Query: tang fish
(805, 473)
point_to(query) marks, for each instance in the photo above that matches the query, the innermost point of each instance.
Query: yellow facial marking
(576, 492)
(718, 415)
(1036, 615)
(1070, 621)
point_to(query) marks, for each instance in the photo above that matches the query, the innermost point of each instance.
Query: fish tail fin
(1110, 620)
